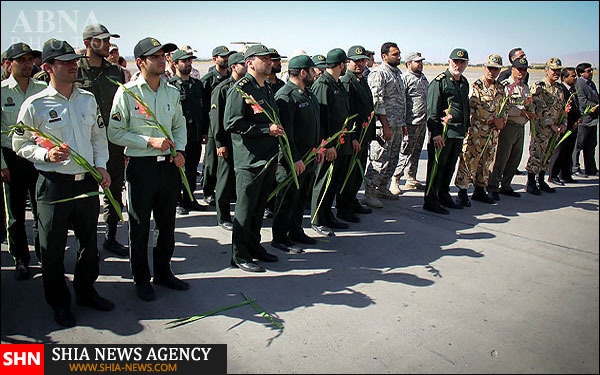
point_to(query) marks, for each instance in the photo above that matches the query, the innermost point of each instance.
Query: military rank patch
(20, 131)
(440, 76)
(213, 106)
(116, 116)
(100, 122)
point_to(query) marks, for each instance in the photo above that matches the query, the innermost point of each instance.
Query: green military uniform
(300, 116)
(477, 156)
(23, 175)
(209, 81)
(95, 80)
(196, 118)
(361, 103)
(445, 90)
(253, 147)
(153, 181)
(77, 122)
(334, 109)
(277, 85)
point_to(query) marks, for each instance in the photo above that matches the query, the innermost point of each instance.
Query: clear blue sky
(543, 29)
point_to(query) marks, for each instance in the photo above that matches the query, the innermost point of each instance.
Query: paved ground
(506, 288)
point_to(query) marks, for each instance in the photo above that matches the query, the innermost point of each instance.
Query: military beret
(301, 62)
(494, 61)
(336, 56)
(414, 56)
(554, 63)
(520, 63)
(257, 50)
(149, 46)
(221, 51)
(181, 55)
(459, 54)
(59, 50)
(235, 58)
(357, 53)
(17, 50)
(97, 31)
(319, 61)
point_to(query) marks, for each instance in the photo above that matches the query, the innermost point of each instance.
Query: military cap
(494, 61)
(236, 58)
(275, 55)
(301, 62)
(181, 55)
(554, 63)
(257, 50)
(414, 56)
(520, 63)
(112, 47)
(459, 54)
(221, 51)
(17, 50)
(369, 53)
(187, 48)
(336, 56)
(149, 46)
(357, 53)
(319, 61)
(59, 50)
(97, 31)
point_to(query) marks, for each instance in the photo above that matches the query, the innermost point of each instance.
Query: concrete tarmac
(510, 287)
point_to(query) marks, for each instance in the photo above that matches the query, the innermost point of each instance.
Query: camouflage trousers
(383, 158)
(476, 159)
(410, 152)
(537, 149)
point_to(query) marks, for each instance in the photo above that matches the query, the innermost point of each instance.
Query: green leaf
(182, 321)
(329, 173)
(80, 196)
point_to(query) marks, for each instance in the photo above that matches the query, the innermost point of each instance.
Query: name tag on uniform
(261, 101)
(55, 119)
(302, 105)
(9, 104)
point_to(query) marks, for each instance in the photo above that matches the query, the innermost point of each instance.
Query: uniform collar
(328, 76)
(84, 63)
(295, 87)
(451, 77)
(394, 69)
(12, 82)
(52, 92)
(141, 81)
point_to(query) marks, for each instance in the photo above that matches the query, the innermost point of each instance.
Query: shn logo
(22, 359)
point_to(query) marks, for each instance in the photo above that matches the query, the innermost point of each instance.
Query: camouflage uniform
(549, 102)
(416, 120)
(386, 83)
(484, 102)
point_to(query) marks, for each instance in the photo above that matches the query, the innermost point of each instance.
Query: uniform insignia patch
(53, 114)
(225, 49)
(213, 106)
(440, 76)
(20, 131)
(302, 105)
(9, 102)
(358, 51)
(116, 116)
(321, 58)
(460, 54)
(100, 122)
(155, 42)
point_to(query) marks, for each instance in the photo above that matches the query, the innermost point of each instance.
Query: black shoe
(323, 230)
(21, 271)
(111, 244)
(570, 180)
(227, 225)
(435, 207)
(64, 317)
(336, 224)
(145, 291)
(533, 189)
(580, 174)
(182, 210)
(545, 187)
(509, 192)
(463, 198)
(450, 203)
(481, 196)
(247, 266)
(95, 302)
(268, 214)
(348, 216)
(302, 238)
(362, 210)
(195, 206)
(171, 282)
(556, 181)
(266, 257)
(495, 196)
(287, 246)
(210, 200)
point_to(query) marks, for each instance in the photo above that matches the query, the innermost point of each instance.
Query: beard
(223, 65)
(185, 70)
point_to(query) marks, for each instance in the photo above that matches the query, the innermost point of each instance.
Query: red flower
(568, 108)
(342, 140)
(141, 109)
(250, 99)
(323, 143)
(365, 124)
(256, 108)
(44, 142)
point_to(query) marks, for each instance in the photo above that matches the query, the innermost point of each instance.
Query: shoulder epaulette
(243, 81)
(440, 76)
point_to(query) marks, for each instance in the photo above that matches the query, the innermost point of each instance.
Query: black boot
(111, 244)
(543, 185)
(463, 198)
(531, 185)
(479, 194)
